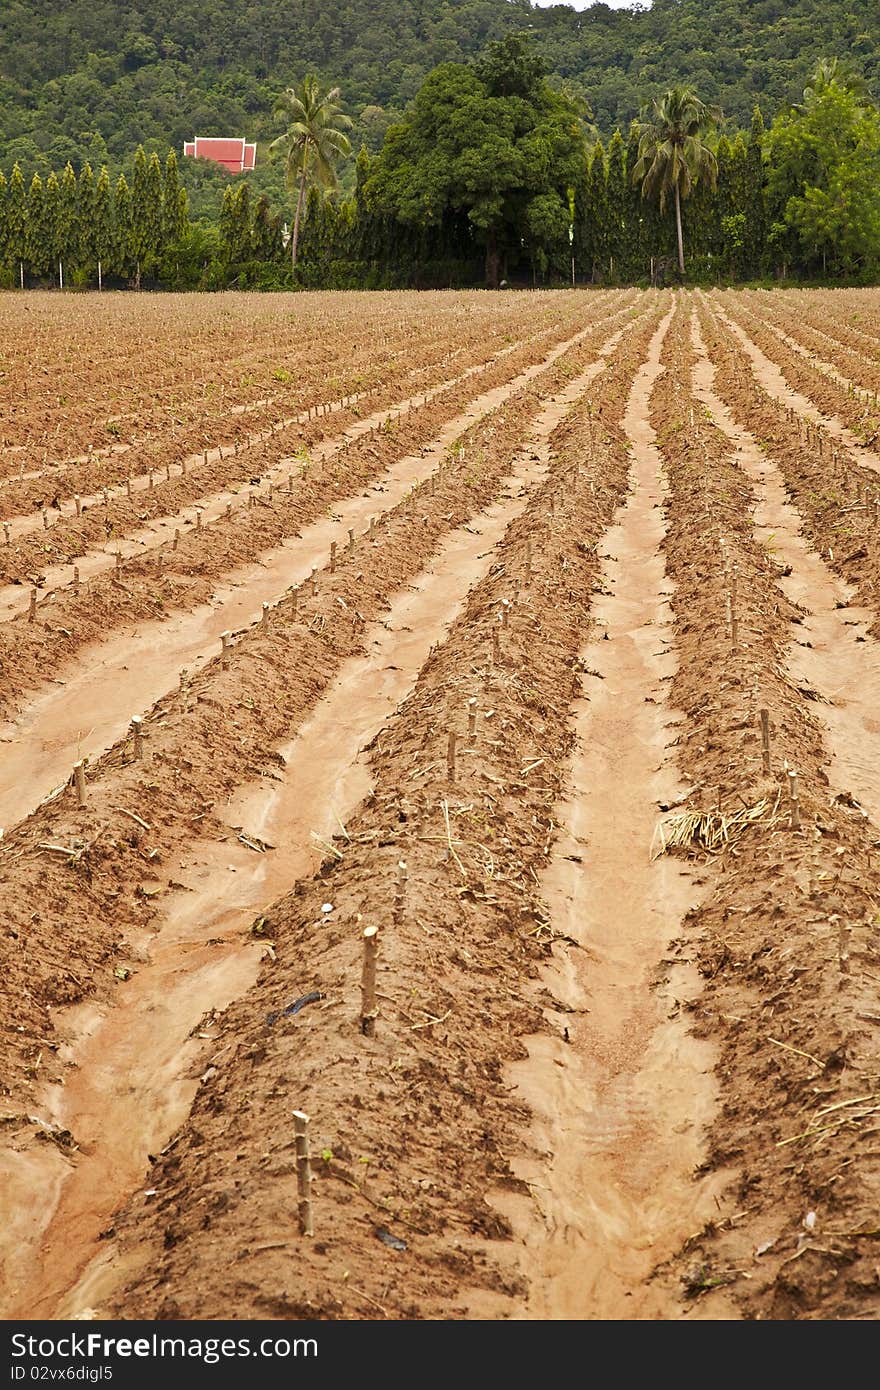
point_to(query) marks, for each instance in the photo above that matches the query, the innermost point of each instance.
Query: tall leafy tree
(824, 173)
(313, 144)
(491, 149)
(673, 156)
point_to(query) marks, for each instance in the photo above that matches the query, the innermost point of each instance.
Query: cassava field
(456, 718)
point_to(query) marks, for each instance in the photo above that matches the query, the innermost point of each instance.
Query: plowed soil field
(440, 790)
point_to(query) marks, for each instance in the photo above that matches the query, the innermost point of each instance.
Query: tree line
(494, 175)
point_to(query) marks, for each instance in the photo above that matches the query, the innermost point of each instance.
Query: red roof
(234, 155)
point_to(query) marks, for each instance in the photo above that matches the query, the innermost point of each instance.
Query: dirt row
(381, 380)
(179, 575)
(828, 396)
(117, 385)
(834, 315)
(64, 933)
(830, 352)
(835, 497)
(394, 1237)
(520, 713)
(786, 937)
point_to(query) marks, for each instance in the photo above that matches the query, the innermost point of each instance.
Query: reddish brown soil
(415, 1131)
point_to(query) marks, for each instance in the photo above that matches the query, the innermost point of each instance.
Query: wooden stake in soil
(794, 805)
(79, 780)
(77, 502)
(45, 520)
(369, 1006)
(844, 934)
(496, 645)
(137, 735)
(450, 755)
(400, 893)
(176, 542)
(303, 1172)
(765, 739)
(332, 557)
(266, 610)
(76, 579)
(505, 609)
(32, 606)
(472, 719)
(6, 532)
(224, 649)
(350, 539)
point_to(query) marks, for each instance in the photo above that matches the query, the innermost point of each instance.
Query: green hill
(98, 77)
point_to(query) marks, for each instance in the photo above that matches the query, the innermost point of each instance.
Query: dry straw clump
(708, 832)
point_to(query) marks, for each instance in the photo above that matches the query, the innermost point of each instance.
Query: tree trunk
(491, 259)
(678, 231)
(299, 203)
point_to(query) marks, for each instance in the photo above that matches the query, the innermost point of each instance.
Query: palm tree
(313, 142)
(832, 72)
(672, 155)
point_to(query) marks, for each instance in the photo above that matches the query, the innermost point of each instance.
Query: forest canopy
(93, 79)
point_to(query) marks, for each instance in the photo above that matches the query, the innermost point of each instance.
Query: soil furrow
(517, 643)
(835, 659)
(125, 674)
(318, 765)
(778, 998)
(622, 1100)
(819, 406)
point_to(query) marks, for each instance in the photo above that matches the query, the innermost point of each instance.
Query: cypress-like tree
(590, 224)
(85, 217)
(755, 206)
(70, 227)
(55, 234)
(266, 242)
(4, 223)
(235, 223)
(615, 207)
(141, 235)
(155, 208)
(103, 231)
(38, 240)
(123, 248)
(16, 221)
(174, 202)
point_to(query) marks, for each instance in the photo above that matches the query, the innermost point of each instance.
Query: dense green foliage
(93, 79)
(490, 143)
(492, 173)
